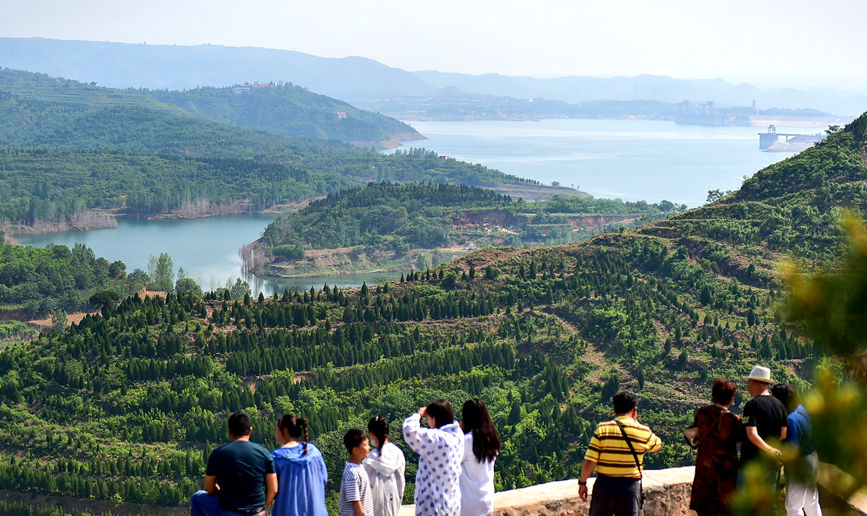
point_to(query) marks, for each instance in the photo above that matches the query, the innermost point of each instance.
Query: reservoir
(206, 248)
(629, 159)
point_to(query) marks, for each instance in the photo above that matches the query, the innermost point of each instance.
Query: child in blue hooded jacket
(301, 473)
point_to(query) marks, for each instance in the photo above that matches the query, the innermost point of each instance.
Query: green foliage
(397, 217)
(289, 252)
(59, 320)
(279, 108)
(287, 110)
(829, 307)
(35, 281)
(73, 148)
(162, 272)
(188, 286)
(128, 404)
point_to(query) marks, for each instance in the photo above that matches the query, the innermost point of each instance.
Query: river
(629, 159)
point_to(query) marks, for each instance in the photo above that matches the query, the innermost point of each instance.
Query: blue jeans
(204, 504)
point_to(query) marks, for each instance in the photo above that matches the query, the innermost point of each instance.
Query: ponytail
(295, 427)
(378, 427)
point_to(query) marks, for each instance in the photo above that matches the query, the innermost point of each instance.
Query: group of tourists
(455, 472)
(616, 451)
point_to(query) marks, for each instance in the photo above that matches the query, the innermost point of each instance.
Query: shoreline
(105, 219)
(110, 219)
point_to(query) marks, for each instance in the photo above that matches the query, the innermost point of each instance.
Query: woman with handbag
(716, 466)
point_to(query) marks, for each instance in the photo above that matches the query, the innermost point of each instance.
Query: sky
(770, 41)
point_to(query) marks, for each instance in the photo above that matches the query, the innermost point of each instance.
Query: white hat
(760, 374)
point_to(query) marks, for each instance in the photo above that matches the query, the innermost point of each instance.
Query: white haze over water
(628, 159)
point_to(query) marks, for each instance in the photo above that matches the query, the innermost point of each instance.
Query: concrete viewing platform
(667, 492)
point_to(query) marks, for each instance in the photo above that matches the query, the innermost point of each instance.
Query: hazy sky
(545, 38)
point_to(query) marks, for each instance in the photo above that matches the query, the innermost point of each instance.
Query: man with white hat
(764, 418)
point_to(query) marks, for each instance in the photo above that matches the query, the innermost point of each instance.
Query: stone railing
(667, 491)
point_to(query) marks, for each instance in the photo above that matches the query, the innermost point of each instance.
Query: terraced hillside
(390, 227)
(126, 406)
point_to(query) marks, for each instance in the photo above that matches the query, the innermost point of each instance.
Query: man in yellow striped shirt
(617, 490)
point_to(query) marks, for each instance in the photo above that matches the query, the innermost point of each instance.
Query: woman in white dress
(481, 447)
(385, 467)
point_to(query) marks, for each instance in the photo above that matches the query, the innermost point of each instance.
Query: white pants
(803, 499)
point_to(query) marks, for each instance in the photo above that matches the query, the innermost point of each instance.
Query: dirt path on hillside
(592, 355)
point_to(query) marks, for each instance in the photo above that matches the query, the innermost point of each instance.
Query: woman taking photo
(481, 447)
(716, 464)
(441, 449)
(301, 473)
(386, 468)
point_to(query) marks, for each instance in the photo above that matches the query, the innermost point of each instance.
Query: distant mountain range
(121, 65)
(363, 81)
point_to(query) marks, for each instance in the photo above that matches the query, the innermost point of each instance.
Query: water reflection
(207, 249)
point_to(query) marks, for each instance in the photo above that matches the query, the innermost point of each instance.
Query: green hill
(127, 406)
(387, 227)
(289, 110)
(45, 186)
(280, 108)
(73, 147)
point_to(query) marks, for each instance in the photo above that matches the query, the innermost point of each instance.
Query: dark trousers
(615, 496)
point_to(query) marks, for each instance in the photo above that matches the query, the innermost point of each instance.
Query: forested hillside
(70, 148)
(390, 225)
(278, 108)
(55, 280)
(45, 185)
(126, 406)
(289, 110)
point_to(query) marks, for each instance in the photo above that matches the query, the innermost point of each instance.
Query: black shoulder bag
(637, 464)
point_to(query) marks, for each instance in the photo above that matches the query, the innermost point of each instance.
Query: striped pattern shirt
(610, 452)
(355, 487)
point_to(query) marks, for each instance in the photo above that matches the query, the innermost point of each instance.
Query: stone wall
(667, 492)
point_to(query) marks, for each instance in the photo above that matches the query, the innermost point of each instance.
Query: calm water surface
(629, 159)
(207, 249)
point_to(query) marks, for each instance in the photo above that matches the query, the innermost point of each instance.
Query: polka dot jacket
(437, 481)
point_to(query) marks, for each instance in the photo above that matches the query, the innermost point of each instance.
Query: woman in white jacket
(481, 447)
(386, 468)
